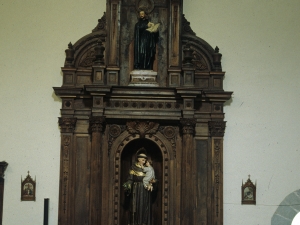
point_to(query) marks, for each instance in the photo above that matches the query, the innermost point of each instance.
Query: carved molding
(67, 124)
(97, 123)
(142, 128)
(144, 105)
(188, 125)
(217, 128)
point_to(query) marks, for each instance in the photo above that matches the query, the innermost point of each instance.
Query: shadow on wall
(287, 209)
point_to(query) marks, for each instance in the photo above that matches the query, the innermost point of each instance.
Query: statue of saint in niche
(138, 187)
(145, 39)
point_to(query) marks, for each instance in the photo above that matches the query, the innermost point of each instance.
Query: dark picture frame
(248, 192)
(28, 188)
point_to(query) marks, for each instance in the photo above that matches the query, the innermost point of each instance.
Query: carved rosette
(217, 128)
(217, 171)
(67, 124)
(142, 128)
(188, 125)
(114, 131)
(97, 123)
(170, 133)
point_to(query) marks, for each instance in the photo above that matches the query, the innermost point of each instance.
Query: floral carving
(170, 134)
(142, 128)
(199, 62)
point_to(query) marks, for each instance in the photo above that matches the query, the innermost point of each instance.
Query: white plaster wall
(259, 40)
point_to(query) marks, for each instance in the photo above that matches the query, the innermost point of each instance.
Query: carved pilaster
(188, 190)
(97, 123)
(217, 128)
(67, 124)
(217, 179)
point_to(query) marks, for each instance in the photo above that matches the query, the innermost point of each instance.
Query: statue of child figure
(150, 175)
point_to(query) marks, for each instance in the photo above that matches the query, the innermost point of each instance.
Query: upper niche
(105, 56)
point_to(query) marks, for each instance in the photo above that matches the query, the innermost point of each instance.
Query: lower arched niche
(128, 156)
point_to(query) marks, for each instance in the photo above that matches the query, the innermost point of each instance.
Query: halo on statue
(141, 153)
(144, 5)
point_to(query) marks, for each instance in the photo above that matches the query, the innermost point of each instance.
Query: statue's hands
(150, 24)
(127, 188)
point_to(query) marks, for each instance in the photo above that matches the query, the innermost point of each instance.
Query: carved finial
(188, 55)
(99, 53)
(217, 60)
(217, 49)
(69, 56)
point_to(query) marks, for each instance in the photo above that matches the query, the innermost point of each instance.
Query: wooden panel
(201, 154)
(82, 180)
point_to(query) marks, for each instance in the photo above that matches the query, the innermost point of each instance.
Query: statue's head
(141, 158)
(142, 14)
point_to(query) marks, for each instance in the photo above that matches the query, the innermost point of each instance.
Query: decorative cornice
(217, 128)
(188, 125)
(97, 123)
(3, 166)
(67, 124)
(142, 128)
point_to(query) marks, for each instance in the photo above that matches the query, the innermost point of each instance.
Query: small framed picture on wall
(28, 186)
(248, 192)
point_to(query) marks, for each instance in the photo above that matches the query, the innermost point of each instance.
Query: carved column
(66, 186)
(217, 129)
(188, 174)
(96, 128)
(3, 166)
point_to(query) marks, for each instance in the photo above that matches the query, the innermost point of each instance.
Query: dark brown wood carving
(105, 119)
(3, 166)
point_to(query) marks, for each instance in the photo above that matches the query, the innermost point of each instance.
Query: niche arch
(120, 146)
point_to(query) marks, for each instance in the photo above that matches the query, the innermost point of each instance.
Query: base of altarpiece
(144, 78)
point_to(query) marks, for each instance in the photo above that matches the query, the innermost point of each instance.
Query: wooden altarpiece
(105, 120)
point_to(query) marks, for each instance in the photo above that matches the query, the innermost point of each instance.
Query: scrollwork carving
(67, 124)
(217, 128)
(186, 28)
(142, 128)
(101, 24)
